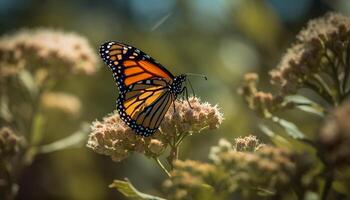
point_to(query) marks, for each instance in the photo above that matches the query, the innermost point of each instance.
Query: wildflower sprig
(317, 62)
(245, 167)
(113, 137)
(32, 61)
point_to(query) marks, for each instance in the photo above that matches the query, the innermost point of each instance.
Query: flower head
(334, 136)
(188, 178)
(235, 168)
(257, 167)
(316, 59)
(249, 143)
(264, 103)
(191, 120)
(114, 138)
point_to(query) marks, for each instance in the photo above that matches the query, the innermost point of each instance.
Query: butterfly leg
(174, 106)
(189, 82)
(185, 91)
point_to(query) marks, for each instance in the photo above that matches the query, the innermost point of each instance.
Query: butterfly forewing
(131, 65)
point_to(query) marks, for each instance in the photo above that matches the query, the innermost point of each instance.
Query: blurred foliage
(223, 39)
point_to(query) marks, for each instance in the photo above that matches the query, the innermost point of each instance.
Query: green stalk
(160, 164)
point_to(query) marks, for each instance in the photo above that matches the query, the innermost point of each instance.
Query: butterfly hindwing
(144, 105)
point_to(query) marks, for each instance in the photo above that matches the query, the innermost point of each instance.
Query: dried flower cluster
(264, 103)
(190, 120)
(249, 143)
(245, 167)
(263, 166)
(112, 137)
(318, 60)
(45, 48)
(188, 179)
(10, 143)
(334, 136)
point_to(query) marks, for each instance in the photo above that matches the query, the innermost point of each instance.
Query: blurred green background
(222, 39)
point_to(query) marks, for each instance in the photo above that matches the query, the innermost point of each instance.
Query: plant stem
(346, 71)
(346, 94)
(160, 164)
(320, 92)
(328, 185)
(337, 82)
(180, 139)
(326, 88)
(10, 192)
(174, 154)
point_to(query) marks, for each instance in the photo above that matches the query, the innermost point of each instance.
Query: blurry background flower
(67, 103)
(48, 49)
(10, 143)
(318, 60)
(334, 137)
(245, 168)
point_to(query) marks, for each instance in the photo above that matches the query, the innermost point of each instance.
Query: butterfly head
(176, 86)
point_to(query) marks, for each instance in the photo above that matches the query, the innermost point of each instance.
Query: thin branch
(325, 86)
(180, 139)
(320, 92)
(336, 78)
(347, 68)
(345, 95)
(160, 164)
(328, 185)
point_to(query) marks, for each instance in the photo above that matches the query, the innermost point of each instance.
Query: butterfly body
(146, 88)
(176, 87)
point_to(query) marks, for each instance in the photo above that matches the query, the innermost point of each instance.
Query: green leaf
(276, 139)
(291, 129)
(129, 191)
(5, 112)
(310, 195)
(264, 192)
(72, 140)
(28, 81)
(206, 192)
(37, 126)
(306, 105)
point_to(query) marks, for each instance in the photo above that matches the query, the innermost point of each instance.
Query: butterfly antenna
(198, 75)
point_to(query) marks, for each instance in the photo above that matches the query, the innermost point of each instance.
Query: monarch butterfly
(146, 88)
